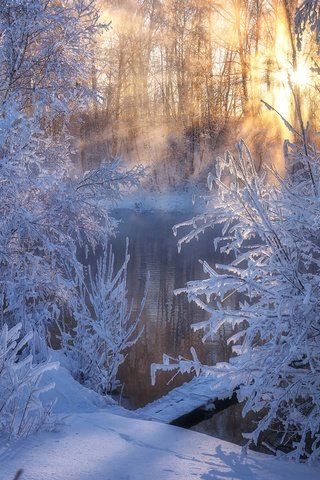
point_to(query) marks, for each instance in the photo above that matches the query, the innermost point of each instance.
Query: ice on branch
(105, 327)
(268, 292)
(21, 409)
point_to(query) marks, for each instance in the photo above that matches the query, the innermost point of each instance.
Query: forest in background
(180, 81)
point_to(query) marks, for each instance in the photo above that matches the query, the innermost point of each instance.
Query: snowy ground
(97, 440)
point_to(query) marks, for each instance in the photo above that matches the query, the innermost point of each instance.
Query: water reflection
(227, 425)
(166, 318)
(230, 425)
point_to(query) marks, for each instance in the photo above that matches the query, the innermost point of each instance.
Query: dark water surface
(167, 318)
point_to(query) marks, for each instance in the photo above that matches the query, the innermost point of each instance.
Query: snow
(90, 442)
(103, 446)
(182, 400)
(69, 396)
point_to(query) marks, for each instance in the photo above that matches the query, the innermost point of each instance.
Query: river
(167, 318)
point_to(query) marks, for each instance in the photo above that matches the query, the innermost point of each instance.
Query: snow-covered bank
(109, 444)
(103, 446)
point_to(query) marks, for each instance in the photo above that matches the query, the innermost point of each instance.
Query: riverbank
(95, 439)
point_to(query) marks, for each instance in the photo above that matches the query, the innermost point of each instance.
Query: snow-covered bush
(48, 207)
(104, 325)
(45, 215)
(46, 55)
(21, 409)
(270, 228)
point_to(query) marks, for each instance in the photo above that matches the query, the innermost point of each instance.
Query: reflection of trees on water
(165, 290)
(181, 314)
(228, 425)
(167, 318)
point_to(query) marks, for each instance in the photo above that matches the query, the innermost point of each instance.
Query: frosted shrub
(48, 206)
(21, 409)
(104, 328)
(270, 226)
(44, 216)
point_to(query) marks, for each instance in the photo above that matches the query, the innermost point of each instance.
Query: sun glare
(301, 76)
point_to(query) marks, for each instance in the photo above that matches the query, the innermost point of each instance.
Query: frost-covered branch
(270, 228)
(21, 409)
(104, 327)
(111, 179)
(45, 217)
(308, 13)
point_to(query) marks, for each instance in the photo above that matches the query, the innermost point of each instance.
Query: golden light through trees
(178, 78)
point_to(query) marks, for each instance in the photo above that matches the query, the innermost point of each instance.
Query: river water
(166, 318)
